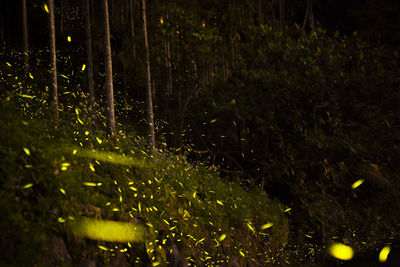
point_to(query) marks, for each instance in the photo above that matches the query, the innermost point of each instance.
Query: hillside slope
(59, 181)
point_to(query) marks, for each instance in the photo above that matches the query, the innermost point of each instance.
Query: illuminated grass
(109, 157)
(111, 231)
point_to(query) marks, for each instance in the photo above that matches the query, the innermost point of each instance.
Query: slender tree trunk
(108, 69)
(25, 37)
(312, 22)
(260, 12)
(2, 22)
(168, 62)
(282, 12)
(132, 21)
(53, 56)
(150, 115)
(273, 14)
(309, 16)
(125, 91)
(62, 8)
(89, 53)
(1, 29)
(92, 11)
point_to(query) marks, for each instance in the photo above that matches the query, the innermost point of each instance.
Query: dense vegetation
(273, 140)
(53, 175)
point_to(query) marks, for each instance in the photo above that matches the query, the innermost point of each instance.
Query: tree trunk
(132, 30)
(309, 16)
(282, 11)
(62, 8)
(1, 29)
(150, 115)
(273, 24)
(2, 22)
(53, 56)
(92, 11)
(168, 62)
(132, 21)
(25, 37)
(260, 13)
(108, 69)
(89, 53)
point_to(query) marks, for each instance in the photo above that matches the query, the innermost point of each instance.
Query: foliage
(305, 116)
(53, 175)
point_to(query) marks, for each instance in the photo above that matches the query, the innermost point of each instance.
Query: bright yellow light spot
(46, 8)
(89, 184)
(214, 120)
(74, 151)
(266, 226)
(241, 253)
(27, 151)
(30, 75)
(287, 210)
(79, 120)
(61, 220)
(357, 184)
(250, 227)
(87, 133)
(204, 25)
(99, 140)
(102, 248)
(161, 20)
(8, 64)
(69, 38)
(27, 186)
(133, 188)
(222, 237)
(341, 252)
(91, 167)
(194, 194)
(28, 96)
(62, 191)
(83, 67)
(198, 242)
(111, 231)
(219, 202)
(384, 254)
